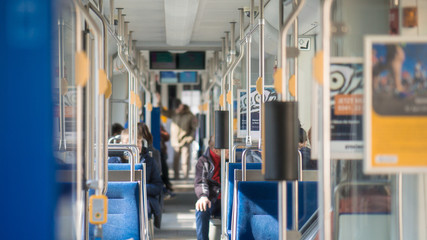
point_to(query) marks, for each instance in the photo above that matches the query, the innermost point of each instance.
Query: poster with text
(346, 83)
(396, 104)
(254, 102)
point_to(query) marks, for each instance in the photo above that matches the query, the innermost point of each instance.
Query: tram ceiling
(148, 21)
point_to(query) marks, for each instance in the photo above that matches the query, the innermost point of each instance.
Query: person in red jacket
(207, 185)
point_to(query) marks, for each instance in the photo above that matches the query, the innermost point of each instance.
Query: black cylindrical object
(281, 141)
(221, 129)
(202, 125)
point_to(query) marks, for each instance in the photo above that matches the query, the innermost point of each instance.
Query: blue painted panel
(27, 182)
(155, 127)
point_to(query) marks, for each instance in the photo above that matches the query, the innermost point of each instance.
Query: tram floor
(178, 219)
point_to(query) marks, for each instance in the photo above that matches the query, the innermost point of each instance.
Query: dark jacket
(154, 187)
(204, 185)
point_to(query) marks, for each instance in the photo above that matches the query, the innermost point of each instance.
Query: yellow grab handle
(259, 85)
(277, 76)
(138, 101)
(229, 97)
(292, 85)
(103, 82)
(132, 97)
(318, 67)
(149, 107)
(221, 100)
(82, 68)
(109, 89)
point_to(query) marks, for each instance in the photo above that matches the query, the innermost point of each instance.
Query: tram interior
(119, 62)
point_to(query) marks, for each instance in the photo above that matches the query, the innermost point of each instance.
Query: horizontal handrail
(133, 158)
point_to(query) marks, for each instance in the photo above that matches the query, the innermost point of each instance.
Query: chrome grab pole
(99, 180)
(285, 97)
(98, 13)
(261, 67)
(79, 216)
(248, 91)
(62, 140)
(144, 180)
(97, 63)
(325, 205)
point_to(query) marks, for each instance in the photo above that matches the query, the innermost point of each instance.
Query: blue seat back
(123, 166)
(231, 168)
(123, 212)
(258, 208)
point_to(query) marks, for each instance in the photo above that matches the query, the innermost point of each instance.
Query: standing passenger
(183, 130)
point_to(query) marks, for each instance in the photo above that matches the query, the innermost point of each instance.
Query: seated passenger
(154, 153)
(207, 185)
(153, 180)
(307, 163)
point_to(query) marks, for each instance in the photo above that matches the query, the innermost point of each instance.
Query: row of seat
(125, 207)
(257, 205)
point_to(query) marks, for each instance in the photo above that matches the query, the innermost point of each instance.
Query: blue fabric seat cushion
(123, 166)
(123, 212)
(232, 167)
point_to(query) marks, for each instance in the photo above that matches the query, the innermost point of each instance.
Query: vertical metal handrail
(62, 139)
(98, 103)
(400, 205)
(98, 13)
(79, 135)
(98, 51)
(144, 180)
(325, 163)
(261, 67)
(282, 184)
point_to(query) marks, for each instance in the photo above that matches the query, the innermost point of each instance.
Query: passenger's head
(216, 151)
(144, 133)
(139, 142)
(177, 105)
(124, 136)
(302, 138)
(116, 129)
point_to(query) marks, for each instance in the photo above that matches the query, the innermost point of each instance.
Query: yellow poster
(396, 104)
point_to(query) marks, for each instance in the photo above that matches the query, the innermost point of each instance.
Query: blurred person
(153, 180)
(307, 163)
(183, 130)
(164, 137)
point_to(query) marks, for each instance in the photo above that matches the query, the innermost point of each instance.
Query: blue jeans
(202, 219)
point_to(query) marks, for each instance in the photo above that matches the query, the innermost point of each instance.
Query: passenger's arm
(201, 186)
(166, 112)
(154, 182)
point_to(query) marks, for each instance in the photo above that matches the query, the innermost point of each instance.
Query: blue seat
(232, 167)
(257, 214)
(123, 166)
(123, 212)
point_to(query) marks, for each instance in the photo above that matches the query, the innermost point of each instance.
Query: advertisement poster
(346, 85)
(396, 104)
(255, 99)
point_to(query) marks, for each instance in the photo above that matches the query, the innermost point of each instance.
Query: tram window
(188, 77)
(168, 77)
